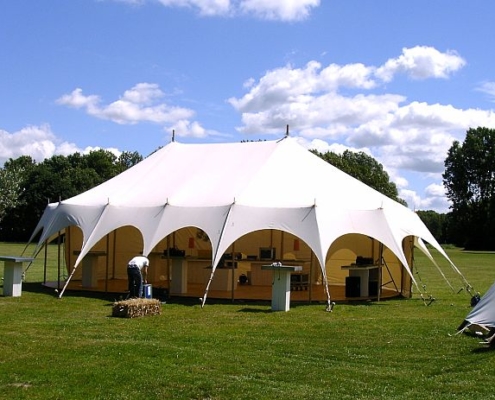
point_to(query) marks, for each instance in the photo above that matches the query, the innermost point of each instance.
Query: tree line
(27, 186)
(469, 179)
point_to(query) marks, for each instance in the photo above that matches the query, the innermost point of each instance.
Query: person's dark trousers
(135, 282)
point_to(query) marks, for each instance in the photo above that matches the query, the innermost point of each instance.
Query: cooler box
(147, 291)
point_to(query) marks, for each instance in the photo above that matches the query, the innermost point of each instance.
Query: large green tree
(469, 179)
(12, 177)
(56, 178)
(365, 168)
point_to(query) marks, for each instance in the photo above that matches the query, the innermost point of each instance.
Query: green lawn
(71, 348)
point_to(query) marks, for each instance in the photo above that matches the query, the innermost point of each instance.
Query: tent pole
(311, 274)
(67, 282)
(68, 246)
(107, 263)
(233, 271)
(213, 268)
(44, 266)
(282, 235)
(168, 264)
(372, 249)
(380, 274)
(58, 260)
(327, 291)
(203, 299)
(114, 251)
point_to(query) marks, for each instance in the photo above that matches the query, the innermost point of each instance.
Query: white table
(281, 285)
(12, 275)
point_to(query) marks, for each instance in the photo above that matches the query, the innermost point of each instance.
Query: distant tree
(127, 160)
(46, 182)
(57, 178)
(364, 168)
(436, 223)
(469, 178)
(10, 186)
(12, 183)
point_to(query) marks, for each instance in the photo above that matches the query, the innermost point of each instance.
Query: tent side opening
(380, 273)
(239, 274)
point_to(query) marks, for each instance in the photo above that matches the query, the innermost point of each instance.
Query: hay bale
(134, 308)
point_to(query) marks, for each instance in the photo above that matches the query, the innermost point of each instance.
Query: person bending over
(137, 274)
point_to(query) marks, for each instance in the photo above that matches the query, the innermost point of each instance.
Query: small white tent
(482, 316)
(231, 189)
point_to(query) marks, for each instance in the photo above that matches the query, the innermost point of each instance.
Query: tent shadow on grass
(485, 349)
(255, 310)
(36, 287)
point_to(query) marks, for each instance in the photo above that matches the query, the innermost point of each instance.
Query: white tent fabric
(231, 189)
(483, 314)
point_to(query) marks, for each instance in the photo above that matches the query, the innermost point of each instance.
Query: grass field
(71, 348)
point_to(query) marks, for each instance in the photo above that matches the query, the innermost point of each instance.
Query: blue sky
(398, 80)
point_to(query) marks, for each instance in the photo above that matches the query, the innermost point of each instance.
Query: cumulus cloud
(421, 62)
(184, 128)
(284, 10)
(280, 10)
(347, 104)
(138, 104)
(39, 142)
(434, 198)
(337, 102)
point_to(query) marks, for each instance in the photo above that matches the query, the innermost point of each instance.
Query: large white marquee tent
(229, 190)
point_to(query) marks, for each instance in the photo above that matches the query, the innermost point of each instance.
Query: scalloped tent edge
(230, 189)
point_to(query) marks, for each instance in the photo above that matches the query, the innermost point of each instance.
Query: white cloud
(141, 103)
(346, 104)
(284, 10)
(205, 7)
(185, 128)
(188, 128)
(77, 100)
(318, 102)
(278, 10)
(489, 89)
(434, 199)
(301, 85)
(39, 142)
(418, 135)
(143, 93)
(138, 104)
(421, 62)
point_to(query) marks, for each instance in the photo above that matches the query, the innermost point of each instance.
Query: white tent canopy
(231, 189)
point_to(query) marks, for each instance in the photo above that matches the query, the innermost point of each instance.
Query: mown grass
(71, 348)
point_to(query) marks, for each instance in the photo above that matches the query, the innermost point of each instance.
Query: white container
(147, 291)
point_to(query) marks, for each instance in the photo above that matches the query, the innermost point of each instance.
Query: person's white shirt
(142, 263)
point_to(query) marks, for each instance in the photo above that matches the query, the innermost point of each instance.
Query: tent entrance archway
(351, 254)
(243, 258)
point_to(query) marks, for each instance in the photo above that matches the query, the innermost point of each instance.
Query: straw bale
(134, 308)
